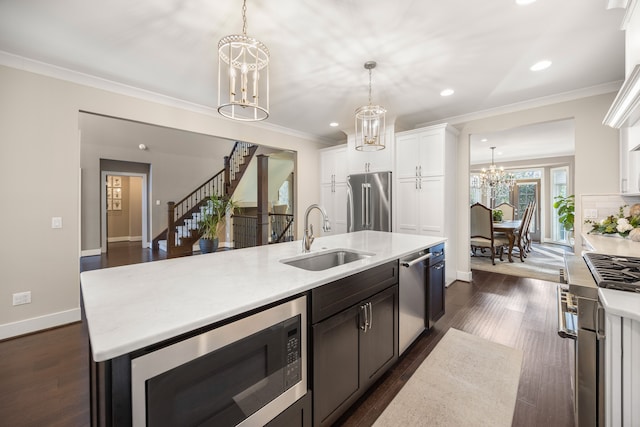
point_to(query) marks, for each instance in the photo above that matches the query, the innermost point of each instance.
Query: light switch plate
(56, 222)
(590, 213)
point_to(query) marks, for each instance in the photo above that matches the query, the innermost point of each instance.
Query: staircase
(182, 229)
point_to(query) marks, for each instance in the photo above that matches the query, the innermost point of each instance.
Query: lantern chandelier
(370, 122)
(495, 180)
(243, 76)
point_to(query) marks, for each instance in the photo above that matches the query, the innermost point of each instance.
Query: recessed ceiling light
(484, 140)
(539, 66)
(446, 92)
(333, 124)
(523, 2)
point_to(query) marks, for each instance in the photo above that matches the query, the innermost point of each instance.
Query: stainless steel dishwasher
(413, 297)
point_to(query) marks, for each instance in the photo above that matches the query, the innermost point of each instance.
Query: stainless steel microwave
(244, 373)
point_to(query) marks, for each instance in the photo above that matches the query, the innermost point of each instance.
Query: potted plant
(565, 206)
(213, 219)
(497, 215)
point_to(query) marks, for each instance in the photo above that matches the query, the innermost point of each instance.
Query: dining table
(509, 228)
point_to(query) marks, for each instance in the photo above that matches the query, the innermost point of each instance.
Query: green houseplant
(565, 206)
(213, 219)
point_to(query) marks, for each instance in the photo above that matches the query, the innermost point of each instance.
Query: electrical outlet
(56, 222)
(590, 213)
(22, 298)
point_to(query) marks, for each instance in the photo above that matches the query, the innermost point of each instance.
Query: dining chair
(508, 211)
(482, 236)
(520, 235)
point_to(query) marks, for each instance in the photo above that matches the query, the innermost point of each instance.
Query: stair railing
(221, 184)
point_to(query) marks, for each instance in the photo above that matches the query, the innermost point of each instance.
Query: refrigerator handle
(366, 190)
(363, 202)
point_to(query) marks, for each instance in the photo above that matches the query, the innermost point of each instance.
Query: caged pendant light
(243, 76)
(370, 122)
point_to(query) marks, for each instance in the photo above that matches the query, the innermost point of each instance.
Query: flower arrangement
(620, 224)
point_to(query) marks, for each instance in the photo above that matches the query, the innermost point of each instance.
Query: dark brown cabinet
(353, 347)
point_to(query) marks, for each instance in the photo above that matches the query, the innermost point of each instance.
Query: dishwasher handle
(417, 260)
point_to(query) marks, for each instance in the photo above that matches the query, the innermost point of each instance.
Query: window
(559, 187)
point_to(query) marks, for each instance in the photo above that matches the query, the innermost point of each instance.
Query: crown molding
(37, 67)
(527, 105)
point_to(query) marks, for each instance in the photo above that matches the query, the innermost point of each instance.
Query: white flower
(623, 225)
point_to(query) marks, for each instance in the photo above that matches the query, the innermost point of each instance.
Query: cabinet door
(407, 206)
(335, 365)
(333, 197)
(407, 149)
(431, 211)
(432, 153)
(333, 165)
(379, 343)
(436, 289)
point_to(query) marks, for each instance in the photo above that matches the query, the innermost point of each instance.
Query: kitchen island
(142, 318)
(134, 306)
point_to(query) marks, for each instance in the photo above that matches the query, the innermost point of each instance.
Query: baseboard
(91, 252)
(124, 239)
(36, 324)
(465, 276)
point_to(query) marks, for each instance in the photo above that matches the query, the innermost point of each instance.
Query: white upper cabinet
(333, 165)
(420, 153)
(371, 161)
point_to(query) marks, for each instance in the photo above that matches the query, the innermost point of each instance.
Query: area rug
(543, 262)
(465, 381)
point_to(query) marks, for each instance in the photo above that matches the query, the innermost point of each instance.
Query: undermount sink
(325, 260)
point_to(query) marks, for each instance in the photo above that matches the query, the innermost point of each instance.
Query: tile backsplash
(604, 205)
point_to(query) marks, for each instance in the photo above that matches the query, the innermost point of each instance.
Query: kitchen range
(271, 341)
(603, 383)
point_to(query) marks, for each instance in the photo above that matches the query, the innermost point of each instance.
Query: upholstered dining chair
(482, 236)
(521, 234)
(508, 211)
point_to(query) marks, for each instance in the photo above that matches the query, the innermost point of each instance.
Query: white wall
(596, 154)
(40, 176)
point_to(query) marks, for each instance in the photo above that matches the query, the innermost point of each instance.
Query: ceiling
(481, 49)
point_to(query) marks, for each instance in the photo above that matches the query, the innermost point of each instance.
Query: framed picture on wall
(117, 193)
(109, 181)
(117, 205)
(109, 193)
(109, 205)
(117, 181)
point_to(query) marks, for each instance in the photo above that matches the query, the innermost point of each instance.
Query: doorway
(124, 208)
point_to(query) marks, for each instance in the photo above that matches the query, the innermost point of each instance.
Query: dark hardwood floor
(44, 377)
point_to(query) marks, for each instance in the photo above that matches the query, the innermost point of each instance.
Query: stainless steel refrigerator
(369, 201)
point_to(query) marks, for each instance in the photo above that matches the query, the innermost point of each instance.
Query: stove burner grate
(615, 272)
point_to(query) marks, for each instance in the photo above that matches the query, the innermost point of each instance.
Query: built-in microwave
(244, 373)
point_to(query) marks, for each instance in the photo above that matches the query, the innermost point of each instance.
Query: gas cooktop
(614, 272)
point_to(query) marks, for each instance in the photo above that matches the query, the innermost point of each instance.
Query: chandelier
(243, 76)
(495, 180)
(370, 122)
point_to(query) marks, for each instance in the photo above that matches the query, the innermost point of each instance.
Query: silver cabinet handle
(417, 171)
(420, 170)
(599, 331)
(417, 260)
(363, 317)
(370, 315)
(439, 266)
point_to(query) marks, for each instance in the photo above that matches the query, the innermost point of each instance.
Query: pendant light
(243, 76)
(370, 122)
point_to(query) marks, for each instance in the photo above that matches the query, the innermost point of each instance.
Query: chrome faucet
(308, 238)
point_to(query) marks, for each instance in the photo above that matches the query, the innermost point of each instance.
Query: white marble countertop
(131, 307)
(619, 303)
(611, 245)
